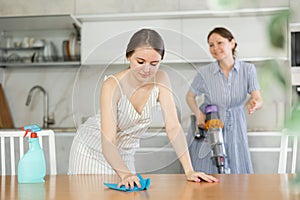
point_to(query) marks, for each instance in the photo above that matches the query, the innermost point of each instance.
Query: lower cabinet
(156, 154)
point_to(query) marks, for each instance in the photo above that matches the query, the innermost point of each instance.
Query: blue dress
(230, 95)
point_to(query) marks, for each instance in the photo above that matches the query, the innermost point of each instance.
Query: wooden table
(163, 187)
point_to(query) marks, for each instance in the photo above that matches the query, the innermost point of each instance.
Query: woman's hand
(252, 106)
(255, 102)
(130, 181)
(199, 176)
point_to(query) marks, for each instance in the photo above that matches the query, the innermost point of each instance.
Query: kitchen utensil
(6, 120)
(14, 57)
(38, 43)
(50, 52)
(66, 50)
(72, 45)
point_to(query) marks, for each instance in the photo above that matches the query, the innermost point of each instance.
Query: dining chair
(13, 147)
(284, 149)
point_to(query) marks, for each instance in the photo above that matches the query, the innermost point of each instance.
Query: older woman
(225, 83)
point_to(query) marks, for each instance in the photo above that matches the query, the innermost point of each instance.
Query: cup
(25, 42)
(9, 42)
(31, 41)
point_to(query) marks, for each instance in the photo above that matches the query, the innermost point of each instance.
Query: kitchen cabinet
(294, 28)
(104, 42)
(262, 145)
(240, 4)
(36, 7)
(156, 154)
(295, 71)
(252, 38)
(52, 34)
(104, 37)
(154, 146)
(295, 16)
(108, 6)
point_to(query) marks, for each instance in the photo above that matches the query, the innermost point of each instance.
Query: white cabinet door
(156, 154)
(36, 7)
(251, 33)
(105, 42)
(295, 6)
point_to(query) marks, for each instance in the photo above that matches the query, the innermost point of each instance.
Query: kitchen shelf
(38, 26)
(21, 48)
(41, 64)
(37, 22)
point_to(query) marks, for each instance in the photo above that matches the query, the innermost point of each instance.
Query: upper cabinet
(294, 52)
(36, 7)
(48, 40)
(105, 37)
(295, 7)
(79, 7)
(250, 32)
(146, 6)
(104, 42)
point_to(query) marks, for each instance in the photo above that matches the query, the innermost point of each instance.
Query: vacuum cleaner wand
(214, 133)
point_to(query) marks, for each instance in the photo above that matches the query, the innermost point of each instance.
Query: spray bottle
(32, 166)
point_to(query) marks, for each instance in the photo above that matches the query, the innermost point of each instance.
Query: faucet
(46, 119)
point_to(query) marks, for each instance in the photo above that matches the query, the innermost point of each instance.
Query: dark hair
(225, 34)
(146, 37)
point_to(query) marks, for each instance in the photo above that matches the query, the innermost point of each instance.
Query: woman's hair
(146, 37)
(225, 34)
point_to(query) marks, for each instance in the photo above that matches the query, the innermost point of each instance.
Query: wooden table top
(163, 186)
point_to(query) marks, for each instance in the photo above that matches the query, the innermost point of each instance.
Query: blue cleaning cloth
(145, 183)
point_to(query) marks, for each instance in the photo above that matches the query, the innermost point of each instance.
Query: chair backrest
(283, 149)
(12, 141)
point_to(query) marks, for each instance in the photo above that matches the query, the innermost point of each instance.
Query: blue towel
(145, 183)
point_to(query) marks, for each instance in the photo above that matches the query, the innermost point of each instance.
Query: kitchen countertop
(150, 130)
(163, 186)
(55, 129)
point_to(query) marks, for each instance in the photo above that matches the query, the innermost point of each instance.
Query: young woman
(225, 83)
(106, 143)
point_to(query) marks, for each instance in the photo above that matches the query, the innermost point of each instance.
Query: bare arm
(108, 106)
(255, 102)
(174, 130)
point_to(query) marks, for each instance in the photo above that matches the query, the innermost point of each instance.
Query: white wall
(74, 94)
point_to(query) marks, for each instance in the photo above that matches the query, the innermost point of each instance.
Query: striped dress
(229, 94)
(86, 152)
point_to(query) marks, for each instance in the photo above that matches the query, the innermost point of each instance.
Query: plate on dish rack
(50, 53)
(74, 47)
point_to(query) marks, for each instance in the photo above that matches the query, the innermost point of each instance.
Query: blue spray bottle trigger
(31, 128)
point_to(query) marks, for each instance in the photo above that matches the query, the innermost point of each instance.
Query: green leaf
(277, 29)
